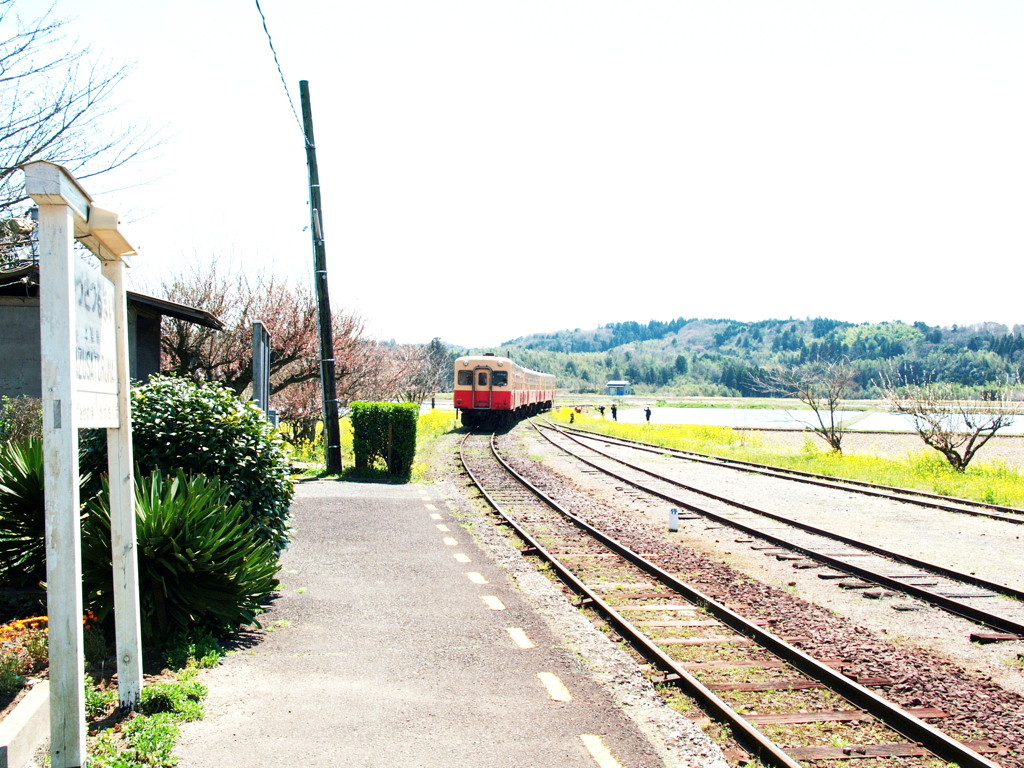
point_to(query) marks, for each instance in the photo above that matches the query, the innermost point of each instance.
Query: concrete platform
(397, 641)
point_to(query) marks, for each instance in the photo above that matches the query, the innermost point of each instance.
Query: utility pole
(332, 432)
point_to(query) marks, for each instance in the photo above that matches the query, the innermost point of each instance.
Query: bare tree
(56, 103)
(822, 385)
(238, 298)
(428, 369)
(948, 418)
(367, 370)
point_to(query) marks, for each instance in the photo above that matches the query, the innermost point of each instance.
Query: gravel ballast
(924, 652)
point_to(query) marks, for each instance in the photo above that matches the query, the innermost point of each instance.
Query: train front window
(499, 379)
(465, 378)
(481, 379)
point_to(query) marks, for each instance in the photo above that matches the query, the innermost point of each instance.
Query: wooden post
(328, 380)
(121, 471)
(60, 463)
(84, 355)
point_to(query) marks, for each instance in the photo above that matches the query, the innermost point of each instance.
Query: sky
(495, 169)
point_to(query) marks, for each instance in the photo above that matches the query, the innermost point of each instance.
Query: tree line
(721, 357)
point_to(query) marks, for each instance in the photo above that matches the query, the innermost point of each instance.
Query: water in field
(756, 418)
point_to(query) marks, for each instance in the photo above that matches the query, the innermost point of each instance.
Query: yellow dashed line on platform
(556, 690)
(477, 578)
(435, 516)
(493, 603)
(450, 541)
(431, 507)
(461, 558)
(520, 638)
(443, 528)
(601, 754)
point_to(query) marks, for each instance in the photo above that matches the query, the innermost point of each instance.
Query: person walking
(647, 413)
(615, 413)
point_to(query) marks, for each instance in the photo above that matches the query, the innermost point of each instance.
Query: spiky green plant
(22, 514)
(199, 564)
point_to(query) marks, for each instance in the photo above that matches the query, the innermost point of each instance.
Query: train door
(483, 396)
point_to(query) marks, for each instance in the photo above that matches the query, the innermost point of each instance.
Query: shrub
(385, 432)
(203, 429)
(21, 418)
(198, 564)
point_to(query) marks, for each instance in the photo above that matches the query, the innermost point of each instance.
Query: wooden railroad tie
(839, 716)
(763, 663)
(882, 750)
(781, 684)
(792, 685)
(993, 637)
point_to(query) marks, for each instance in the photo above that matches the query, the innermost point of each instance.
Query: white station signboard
(95, 349)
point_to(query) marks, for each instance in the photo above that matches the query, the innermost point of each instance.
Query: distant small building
(618, 388)
(20, 359)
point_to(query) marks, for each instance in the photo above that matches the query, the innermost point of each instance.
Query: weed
(181, 698)
(36, 645)
(11, 667)
(97, 700)
(197, 647)
(153, 738)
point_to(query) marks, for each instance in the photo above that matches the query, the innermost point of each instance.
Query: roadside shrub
(203, 429)
(385, 432)
(198, 563)
(22, 514)
(21, 418)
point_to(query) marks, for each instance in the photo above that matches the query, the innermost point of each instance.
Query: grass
(991, 482)
(430, 426)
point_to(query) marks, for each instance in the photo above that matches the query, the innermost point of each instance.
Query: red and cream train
(494, 391)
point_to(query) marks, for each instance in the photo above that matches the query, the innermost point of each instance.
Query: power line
(284, 82)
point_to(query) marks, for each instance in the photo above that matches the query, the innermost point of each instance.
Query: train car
(494, 391)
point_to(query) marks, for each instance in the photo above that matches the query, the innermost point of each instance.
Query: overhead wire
(277, 62)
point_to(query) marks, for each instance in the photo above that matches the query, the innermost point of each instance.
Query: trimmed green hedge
(385, 432)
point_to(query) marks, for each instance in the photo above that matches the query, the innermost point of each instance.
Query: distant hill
(723, 357)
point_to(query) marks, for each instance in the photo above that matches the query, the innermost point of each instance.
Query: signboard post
(83, 327)
(261, 365)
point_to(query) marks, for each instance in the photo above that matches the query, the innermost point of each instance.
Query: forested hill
(723, 357)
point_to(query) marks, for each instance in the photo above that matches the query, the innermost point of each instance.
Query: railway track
(875, 570)
(779, 704)
(922, 498)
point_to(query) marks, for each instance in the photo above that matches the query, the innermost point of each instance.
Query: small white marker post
(84, 346)
(673, 520)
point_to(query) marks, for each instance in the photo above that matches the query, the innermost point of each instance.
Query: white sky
(493, 169)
